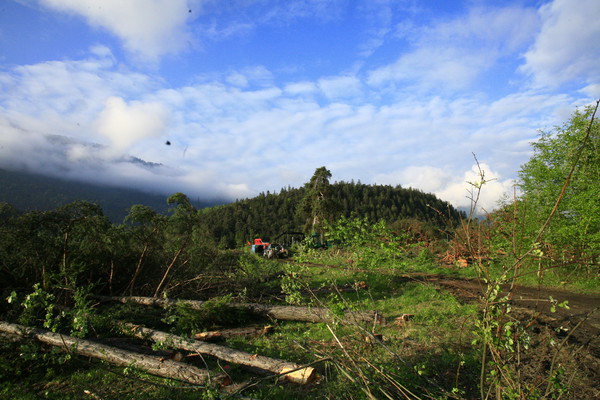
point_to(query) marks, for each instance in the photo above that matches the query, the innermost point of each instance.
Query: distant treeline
(231, 225)
(271, 214)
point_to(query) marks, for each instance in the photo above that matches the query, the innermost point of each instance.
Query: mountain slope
(27, 191)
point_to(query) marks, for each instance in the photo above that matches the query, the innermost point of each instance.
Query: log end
(302, 376)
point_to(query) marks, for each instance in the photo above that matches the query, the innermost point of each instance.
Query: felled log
(253, 361)
(286, 313)
(223, 334)
(150, 364)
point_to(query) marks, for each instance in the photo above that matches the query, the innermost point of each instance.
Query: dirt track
(578, 327)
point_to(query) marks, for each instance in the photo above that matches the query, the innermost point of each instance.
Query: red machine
(258, 246)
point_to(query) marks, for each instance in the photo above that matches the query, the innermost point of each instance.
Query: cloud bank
(413, 118)
(567, 47)
(125, 124)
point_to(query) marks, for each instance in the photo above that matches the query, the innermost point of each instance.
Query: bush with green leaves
(367, 244)
(215, 313)
(564, 172)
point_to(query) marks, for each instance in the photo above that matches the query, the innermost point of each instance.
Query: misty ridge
(28, 191)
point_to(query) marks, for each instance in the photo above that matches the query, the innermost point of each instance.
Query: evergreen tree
(317, 205)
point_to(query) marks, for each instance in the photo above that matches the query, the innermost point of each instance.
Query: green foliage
(317, 206)
(573, 235)
(367, 244)
(215, 313)
(269, 215)
(83, 314)
(355, 231)
(294, 285)
(39, 309)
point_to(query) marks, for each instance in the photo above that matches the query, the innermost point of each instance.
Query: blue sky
(254, 95)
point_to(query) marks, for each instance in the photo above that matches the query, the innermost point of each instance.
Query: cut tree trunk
(150, 364)
(223, 334)
(287, 313)
(300, 374)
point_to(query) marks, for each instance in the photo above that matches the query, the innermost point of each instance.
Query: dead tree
(287, 313)
(253, 361)
(151, 364)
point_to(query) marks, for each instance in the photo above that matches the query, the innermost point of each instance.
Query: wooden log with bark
(151, 364)
(253, 361)
(287, 313)
(223, 334)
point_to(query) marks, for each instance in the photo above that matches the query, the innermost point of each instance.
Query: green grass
(433, 342)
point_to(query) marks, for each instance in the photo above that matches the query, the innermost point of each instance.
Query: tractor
(258, 246)
(269, 250)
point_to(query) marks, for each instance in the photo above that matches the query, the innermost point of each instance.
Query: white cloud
(452, 187)
(592, 91)
(453, 54)
(340, 86)
(148, 28)
(431, 68)
(568, 46)
(378, 16)
(65, 97)
(462, 193)
(225, 20)
(300, 88)
(125, 124)
(258, 75)
(427, 178)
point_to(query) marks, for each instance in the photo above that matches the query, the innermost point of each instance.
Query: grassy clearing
(430, 351)
(414, 352)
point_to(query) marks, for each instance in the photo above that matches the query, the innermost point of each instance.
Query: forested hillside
(231, 225)
(269, 214)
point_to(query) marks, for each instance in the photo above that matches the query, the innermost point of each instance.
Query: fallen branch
(150, 364)
(254, 361)
(223, 334)
(286, 313)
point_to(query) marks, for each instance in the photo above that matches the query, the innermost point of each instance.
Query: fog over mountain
(28, 191)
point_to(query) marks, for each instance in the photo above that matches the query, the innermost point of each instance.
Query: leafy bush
(213, 314)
